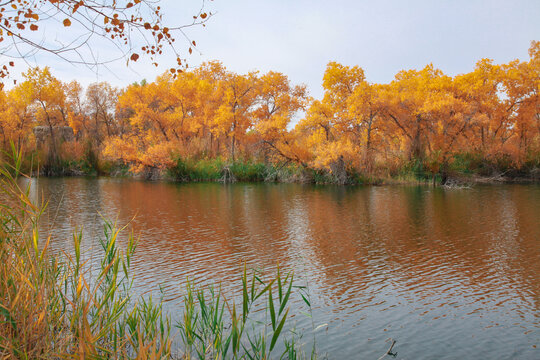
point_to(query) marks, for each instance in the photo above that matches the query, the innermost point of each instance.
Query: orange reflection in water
(458, 269)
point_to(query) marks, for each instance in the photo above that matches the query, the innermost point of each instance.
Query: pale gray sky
(299, 37)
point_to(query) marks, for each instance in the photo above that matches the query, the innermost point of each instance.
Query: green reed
(213, 327)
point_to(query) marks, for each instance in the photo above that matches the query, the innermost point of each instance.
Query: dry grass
(54, 309)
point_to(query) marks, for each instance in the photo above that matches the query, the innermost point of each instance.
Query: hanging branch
(133, 28)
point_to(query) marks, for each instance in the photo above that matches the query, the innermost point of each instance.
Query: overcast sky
(299, 37)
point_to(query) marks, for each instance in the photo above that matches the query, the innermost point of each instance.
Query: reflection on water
(448, 273)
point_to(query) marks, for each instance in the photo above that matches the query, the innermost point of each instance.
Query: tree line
(423, 118)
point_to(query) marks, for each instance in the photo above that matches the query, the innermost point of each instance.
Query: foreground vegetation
(61, 306)
(210, 122)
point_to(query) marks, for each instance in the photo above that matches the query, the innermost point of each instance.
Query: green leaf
(272, 310)
(264, 290)
(278, 330)
(306, 300)
(286, 297)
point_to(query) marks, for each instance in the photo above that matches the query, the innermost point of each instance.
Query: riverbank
(219, 170)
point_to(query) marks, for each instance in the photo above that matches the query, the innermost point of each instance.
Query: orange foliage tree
(423, 118)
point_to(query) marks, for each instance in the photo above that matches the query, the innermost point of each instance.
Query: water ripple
(446, 273)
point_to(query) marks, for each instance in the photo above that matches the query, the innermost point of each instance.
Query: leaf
(266, 288)
(278, 330)
(134, 57)
(305, 300)
(33, 27)
(272, 310)
(286, 297)
(67, 22)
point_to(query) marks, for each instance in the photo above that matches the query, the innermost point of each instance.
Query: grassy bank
(461, 168)
(58, 306)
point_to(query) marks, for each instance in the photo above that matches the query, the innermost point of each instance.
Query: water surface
(448, 273)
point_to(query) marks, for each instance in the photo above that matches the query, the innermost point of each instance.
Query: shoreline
(454, 180)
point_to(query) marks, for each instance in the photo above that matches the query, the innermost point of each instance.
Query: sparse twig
(389, 351)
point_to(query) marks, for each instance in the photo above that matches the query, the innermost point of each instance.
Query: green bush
(248, 171)
(196, 170)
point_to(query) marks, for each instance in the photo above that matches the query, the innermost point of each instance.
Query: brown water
(448, 273)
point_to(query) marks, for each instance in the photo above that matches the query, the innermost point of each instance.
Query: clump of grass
(248, 171)
(215, 328)
(196, 170)
(188, 169)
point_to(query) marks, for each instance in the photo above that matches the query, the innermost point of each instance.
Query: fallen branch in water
(389, 351)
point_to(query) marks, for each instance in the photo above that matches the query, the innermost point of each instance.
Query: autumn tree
(365, 107)
(503, 101)
(49, 100)
(101, 99)
(521, 85)
(211, 90)
(405, 101)
(186, 97)
(277, 103)
(163, 116)
(449, 118)
(234, 115)
(16, 116)
(332, 126)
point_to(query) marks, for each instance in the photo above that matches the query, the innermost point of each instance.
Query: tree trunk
(53, 156)
(233, 139)
(444, 172)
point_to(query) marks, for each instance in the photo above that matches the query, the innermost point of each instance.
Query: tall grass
(53, 307)
(188, 169)
(214, 328)
(61, 306)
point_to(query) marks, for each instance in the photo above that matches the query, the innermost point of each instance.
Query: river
(448, 273)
